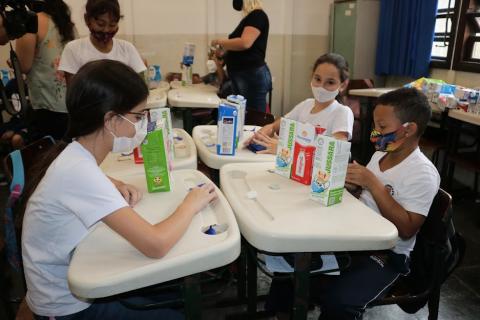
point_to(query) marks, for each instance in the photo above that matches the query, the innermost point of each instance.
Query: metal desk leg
(251, 283)
(301, 285)
(193, 308)
(241, 272)
(187, 120)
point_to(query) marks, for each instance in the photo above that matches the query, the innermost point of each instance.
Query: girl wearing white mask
(68, 194)
(329, 79)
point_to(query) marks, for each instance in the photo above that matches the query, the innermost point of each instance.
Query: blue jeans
(253, 84)
(113, 310)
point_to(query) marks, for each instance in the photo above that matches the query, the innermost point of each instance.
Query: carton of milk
(329, 170)
(164, 113)
(286, 143)
(156, 159)
(227, 129)
(303, 153)
(241, 104)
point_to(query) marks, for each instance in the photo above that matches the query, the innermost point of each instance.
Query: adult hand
(199, 197)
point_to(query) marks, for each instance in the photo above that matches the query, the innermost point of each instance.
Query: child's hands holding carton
(359, 175)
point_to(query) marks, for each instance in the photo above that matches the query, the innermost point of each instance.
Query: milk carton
(154, 76)
(329, 170)
(227, 129)
(303, 153)
(286, 143)
(240, 103)
(156, 159)
(164, 113)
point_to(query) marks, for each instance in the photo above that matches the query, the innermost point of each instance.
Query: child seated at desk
(69, 194)
(399, 183)
(217, 75)
(329, 78)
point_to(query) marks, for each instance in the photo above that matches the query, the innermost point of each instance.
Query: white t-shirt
(78, 52)
(73, 195)
(413, 183)
(334, 118)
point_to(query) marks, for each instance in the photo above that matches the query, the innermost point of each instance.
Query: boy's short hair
(409, 105)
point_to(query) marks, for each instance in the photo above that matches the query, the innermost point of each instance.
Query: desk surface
(283, 219)
(205, 138)
(116, 164)
(106, 264)
(464, 116)
(157, 98)
(194, 96)
(371, 92)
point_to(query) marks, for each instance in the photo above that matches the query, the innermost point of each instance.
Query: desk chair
(16, 167)
(437, 252)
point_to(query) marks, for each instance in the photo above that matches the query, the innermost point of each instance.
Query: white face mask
(211, 66)
(126, 144)
(323, 95)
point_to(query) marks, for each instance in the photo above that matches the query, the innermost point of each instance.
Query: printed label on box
(226, 129)
(285, 146)
(303, 154)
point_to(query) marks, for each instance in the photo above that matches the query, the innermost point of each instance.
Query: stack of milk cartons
(231, 119)
(305, 155)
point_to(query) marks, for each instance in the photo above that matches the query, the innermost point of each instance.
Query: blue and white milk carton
(241, 104)
(227, 129)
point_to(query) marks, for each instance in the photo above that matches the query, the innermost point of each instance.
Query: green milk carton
(156, 159)
(286, 144)
(329, 170)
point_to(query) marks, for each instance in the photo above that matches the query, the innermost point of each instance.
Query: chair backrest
(434, 229)
(258, 118)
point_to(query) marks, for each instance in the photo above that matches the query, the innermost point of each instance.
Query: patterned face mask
(390, 141)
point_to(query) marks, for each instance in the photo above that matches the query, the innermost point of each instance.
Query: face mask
(323, 95)
(211, 66)
(390, 141)
(101, 36)
(126, 144)
(238, 5)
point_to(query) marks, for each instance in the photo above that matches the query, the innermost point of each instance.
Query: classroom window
(467, 47)
(445, 26)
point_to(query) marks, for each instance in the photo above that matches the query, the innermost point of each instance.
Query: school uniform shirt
(334, 118)
(413, 183)
(79, 52)
(73, 196)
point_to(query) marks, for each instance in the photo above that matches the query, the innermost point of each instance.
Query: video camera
(19, 16)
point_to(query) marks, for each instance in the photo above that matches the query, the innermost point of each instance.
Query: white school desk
(194, 96)
(105, 264)
(282, 218)
(464, 116)
(157, 98)
(116, 164)
(205, 138)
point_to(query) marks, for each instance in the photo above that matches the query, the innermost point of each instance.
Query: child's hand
(131, 194)
(199, 197)
(359, 175)
(266, 130)
(268, 142)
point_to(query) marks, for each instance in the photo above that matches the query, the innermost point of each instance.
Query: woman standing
(39, 56)
(245, 58)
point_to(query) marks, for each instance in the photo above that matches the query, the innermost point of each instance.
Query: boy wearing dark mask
(399, 183)
(102, 18)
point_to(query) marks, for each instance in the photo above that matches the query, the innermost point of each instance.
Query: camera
(19, 16)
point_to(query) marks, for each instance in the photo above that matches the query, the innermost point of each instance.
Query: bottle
(300, 167)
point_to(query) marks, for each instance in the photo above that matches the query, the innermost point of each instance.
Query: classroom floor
(460, 296)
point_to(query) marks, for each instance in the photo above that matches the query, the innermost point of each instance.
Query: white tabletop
(371, 92)
(464, 116)
(194, 96)
(205, 138)
(282, 218)
(157, 99)
(116, 164)
(106, 264)
(163, 86)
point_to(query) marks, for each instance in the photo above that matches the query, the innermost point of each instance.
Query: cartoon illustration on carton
(321, 181)
(283, 158)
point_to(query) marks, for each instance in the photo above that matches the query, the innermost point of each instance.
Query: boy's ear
(411, 129)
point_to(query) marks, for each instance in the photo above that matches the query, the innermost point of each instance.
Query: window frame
(464, 41)
(446, 63)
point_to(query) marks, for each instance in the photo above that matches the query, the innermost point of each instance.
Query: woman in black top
(245, 58)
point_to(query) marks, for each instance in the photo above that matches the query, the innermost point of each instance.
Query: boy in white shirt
(399, 183)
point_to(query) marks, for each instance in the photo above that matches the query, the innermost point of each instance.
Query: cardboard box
(227, 129)
(241, 104)
(329, 170)
(303, 153)
(156, 159)
(164, 113)
(285, 146)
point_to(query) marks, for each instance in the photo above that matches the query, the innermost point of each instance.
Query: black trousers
(345, 296)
